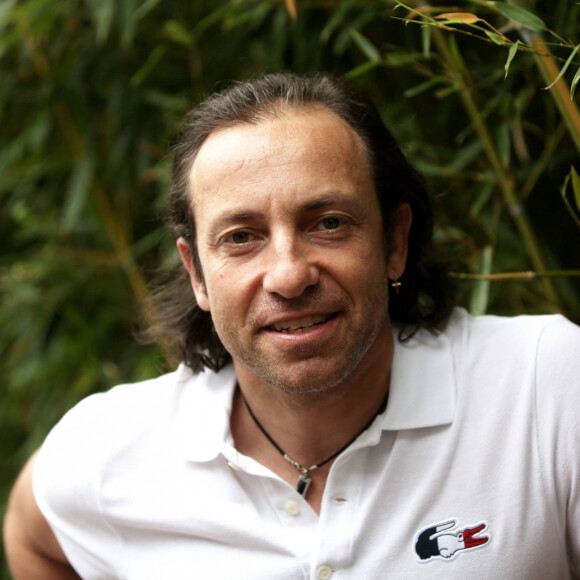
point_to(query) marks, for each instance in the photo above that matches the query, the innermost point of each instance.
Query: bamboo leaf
(178, 33)
(574, 212)
(144, 9)
(218, 15)
(400, 59)
(483, 196)
(564, 68)
(148, 66)
(127, 23)
(520, 16)
(362, 69)
(258, 12)
(444, 93)
(574, 83)
(497, 38)
(459, 18)
(366, 46)
(344, 39)
(576, 187)
(512, 53)
(337, 17)
(104, 14)
(465, 156)
(78, 188)
(456, 54)
(421, 88)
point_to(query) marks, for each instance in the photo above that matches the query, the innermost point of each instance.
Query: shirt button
(292, 507)
(324, 572)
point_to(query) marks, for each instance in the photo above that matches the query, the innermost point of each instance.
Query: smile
(301, 325)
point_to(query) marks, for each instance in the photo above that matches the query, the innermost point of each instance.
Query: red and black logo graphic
(443, 542)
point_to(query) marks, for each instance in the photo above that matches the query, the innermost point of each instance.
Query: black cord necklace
(305, 480)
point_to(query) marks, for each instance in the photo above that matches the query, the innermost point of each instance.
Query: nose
(289, 268)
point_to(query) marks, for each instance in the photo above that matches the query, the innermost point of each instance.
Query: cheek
(367, 263)
(230, 289)
(363, 277)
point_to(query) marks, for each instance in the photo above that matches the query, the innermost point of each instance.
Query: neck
(308, 427)
(304, 479)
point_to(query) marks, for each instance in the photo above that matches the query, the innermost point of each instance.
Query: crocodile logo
(441, 541)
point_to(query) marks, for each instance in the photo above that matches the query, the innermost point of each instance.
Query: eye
(238, 237)
(330, 223)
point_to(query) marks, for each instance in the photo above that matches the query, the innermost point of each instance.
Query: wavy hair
(427, 293)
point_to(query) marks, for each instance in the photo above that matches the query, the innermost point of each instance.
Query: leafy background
(91, 96)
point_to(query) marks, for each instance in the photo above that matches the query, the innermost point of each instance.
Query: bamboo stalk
(292, 11)
(546, 63)
(530, 275)
(560, 90)
(457, 70)
(542, 162)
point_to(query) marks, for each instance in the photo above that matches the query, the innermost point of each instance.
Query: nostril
(290, 278)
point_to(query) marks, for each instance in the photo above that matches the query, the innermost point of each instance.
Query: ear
(197, 284)
(399, 241)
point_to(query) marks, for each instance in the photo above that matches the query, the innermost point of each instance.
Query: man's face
(290, 243)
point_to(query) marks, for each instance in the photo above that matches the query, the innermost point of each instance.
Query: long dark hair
(427, 294)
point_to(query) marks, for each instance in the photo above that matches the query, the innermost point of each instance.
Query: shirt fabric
(472, 471)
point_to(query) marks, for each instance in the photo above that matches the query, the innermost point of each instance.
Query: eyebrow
(231, 218)
(331, 198)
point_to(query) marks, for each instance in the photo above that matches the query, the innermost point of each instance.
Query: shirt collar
(423, 385)
(204, 412)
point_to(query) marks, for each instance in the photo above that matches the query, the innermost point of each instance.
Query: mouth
(301, 325)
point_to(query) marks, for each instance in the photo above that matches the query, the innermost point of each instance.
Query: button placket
(338, 517)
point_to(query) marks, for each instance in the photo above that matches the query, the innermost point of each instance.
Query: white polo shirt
(473, 471)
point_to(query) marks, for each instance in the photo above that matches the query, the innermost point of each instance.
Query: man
(334, 416)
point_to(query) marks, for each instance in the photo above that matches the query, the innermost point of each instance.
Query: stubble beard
(312, 374)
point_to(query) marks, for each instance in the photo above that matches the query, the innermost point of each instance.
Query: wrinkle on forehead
(232, 155)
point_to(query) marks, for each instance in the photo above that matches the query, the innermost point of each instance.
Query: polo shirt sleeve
(66, 482)
(558, 415)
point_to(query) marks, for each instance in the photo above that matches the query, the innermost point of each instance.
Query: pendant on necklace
(303, 484)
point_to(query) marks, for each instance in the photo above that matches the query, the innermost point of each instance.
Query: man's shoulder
(529, 349)
(162, 391)
(136, 412)
(522, 329)
(510, 344)
(136, 400)
(490, 334)
(153, 418)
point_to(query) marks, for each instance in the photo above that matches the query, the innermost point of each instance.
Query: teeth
(300, 325)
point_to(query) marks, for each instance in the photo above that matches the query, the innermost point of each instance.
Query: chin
(313, 379)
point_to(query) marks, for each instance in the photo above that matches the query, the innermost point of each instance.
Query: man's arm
(32, 550)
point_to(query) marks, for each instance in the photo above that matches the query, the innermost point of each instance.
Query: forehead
(293, 155)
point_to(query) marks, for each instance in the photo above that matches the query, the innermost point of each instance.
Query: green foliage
(92, 94)
(572, 204)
